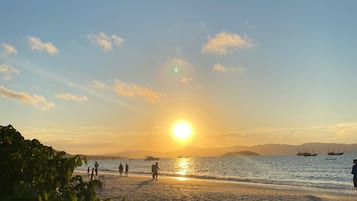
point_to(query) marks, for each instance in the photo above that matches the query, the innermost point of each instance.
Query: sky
(98, 77)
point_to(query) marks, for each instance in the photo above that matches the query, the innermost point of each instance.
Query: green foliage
(30, 171)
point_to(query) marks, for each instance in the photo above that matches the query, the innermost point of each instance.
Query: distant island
(240, 153)
(103, 157)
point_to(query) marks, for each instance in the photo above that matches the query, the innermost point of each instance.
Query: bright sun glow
(182, 130)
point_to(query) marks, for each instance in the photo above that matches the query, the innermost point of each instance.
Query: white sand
(143, 188)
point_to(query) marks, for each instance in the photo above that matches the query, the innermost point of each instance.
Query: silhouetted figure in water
(91, 177)
(121, 169)
(88, 171)
(152, 171)
(126, 169)
(155, 170)
(354, 172)
(96, 168)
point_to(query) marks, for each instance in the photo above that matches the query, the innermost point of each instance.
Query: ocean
(322, 171)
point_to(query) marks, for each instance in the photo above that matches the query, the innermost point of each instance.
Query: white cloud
(72, 97)
(35, 100)
(117, 40)
(178, 63)
(133, 90)
(38, 45)
(7, 71)
(99, 84)
(8, 49)
(130, 90)
(223, 43)
(105, 41)
(232, 69)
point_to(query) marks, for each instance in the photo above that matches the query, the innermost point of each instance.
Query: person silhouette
(96, 168)
(126, 169)
(354, 172)
(155, 170)
(121, 169)
(152, 171)
(91, 177)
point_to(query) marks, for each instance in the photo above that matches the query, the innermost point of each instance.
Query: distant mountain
(138, 154)
(265, 149)
(240, 153)
(97, 157)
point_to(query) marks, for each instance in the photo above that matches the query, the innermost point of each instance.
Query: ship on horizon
(151, 158)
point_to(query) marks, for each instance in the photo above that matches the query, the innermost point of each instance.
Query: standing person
(120, 169)
(96, 168)
(354, 172)
(152, 171)
(91, 177)
(126, 169)
(156, 170)
(88, 171)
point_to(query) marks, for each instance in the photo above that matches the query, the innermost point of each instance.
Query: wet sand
(143, 188)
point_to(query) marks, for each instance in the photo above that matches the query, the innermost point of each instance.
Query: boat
(151, 158)
(309, 154)
(183, 156)
(335, 153)
(306, 153)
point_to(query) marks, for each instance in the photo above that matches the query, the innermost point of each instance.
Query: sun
(182, 130)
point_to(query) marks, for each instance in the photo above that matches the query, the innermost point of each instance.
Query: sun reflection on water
(183, 166)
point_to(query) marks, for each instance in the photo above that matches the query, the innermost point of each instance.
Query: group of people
(95, 169)
(155, 171)
(121, 169)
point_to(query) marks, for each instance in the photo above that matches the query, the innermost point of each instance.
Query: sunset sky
(109, 76)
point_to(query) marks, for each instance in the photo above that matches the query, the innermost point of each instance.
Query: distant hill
(265, 149)
(240, 153)
(97, 157)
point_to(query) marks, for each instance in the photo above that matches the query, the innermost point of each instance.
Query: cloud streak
(8, 49)
(104, 41)
(133, 90)
(37, 45)
(8, 71)
(130, 90)
(231, 69)
(72, 97)
(37, 101)
(224, 43)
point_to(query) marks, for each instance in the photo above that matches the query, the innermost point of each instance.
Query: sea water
(322, 171)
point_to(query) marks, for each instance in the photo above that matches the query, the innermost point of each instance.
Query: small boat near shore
(335, 153)
(306, 153)
(183, 156)
(151, 158)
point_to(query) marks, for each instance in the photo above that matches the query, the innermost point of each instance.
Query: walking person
(155, 170)
(121, 169)
(354, 172)
(126, 169)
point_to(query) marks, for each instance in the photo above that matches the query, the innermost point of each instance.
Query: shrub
(31, 171)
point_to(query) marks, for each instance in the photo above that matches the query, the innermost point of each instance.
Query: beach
(139, 187)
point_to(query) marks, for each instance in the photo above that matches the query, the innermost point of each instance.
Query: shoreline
(142, 187)
(233, 181)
